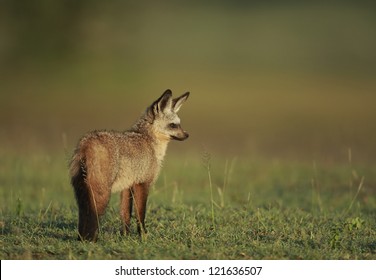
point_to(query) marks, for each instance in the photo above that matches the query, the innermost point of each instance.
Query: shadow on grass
(30, 226)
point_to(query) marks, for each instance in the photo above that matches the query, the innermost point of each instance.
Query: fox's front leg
(140, 195)
(126, 200)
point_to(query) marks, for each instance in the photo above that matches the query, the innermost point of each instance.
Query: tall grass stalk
(206, 160)
(356, 195)
(316, 188)
(226, 180)
(353, 176)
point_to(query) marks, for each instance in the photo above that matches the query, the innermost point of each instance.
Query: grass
(249, 209)
(287, 87)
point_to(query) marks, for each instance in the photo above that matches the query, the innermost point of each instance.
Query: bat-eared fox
(128, 162)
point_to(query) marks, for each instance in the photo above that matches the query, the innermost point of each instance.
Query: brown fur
(130, 161)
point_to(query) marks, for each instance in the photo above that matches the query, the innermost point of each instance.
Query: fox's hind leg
(140, 194)
(126, 201)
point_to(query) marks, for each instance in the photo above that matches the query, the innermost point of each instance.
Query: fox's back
(118, 159)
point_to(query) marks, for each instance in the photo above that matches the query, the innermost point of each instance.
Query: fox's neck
(160, 147)
(160, 141)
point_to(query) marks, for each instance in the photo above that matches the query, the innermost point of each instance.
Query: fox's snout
(186, 135)
(181, 137)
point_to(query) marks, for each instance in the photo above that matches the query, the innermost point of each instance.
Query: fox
(129, 162)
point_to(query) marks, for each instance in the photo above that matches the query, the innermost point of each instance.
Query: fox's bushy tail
(88, 216)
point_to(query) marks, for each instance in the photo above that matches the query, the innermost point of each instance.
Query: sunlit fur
(128, 162)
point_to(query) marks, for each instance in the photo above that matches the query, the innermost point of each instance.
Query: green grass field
(248, 209)
(280, 163)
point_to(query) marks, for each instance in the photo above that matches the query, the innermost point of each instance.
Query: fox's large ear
(162, 102)
(177, 102)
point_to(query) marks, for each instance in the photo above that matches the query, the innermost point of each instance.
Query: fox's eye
(173, 125)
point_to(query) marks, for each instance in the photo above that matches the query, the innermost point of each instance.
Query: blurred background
(279, 79)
